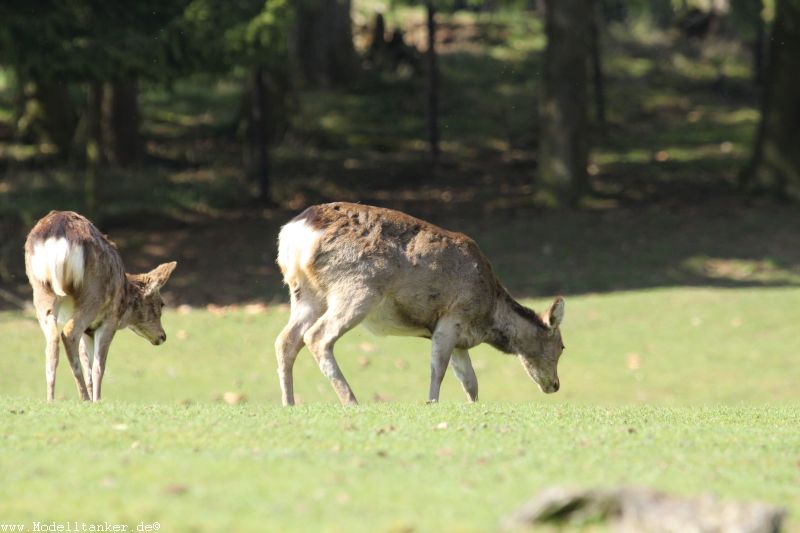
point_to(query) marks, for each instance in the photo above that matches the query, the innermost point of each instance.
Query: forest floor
(664, 210)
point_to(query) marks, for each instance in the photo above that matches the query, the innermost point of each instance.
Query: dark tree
(322, 42)
(94, 147)
(598, 80)
(122, 141)
(433, 83)
(59, 117)
(258, 126)
(775, 166)
(564, 142)
(73, 43)
(245, 36)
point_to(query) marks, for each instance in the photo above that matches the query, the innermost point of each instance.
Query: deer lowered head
(145, 303)
(535, 339)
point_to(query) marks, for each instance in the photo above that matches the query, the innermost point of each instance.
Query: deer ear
(555, 314)
(157, 277)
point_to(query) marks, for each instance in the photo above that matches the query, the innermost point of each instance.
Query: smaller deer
(80, 286)
(347, 264)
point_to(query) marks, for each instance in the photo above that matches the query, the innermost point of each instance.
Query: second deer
(80, 287)
(347, 264)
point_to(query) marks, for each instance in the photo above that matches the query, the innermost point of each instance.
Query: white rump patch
(57, 262)
(297, 243)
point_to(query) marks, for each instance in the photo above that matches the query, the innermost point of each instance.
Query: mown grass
(684, 389)
(380, 467)
(688, 390)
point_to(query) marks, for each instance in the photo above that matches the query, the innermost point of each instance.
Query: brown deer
(80, 286)
(347, 264)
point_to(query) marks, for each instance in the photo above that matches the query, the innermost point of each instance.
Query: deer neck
(510, 321)
(129, 298)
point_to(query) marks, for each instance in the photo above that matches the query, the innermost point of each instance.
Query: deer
(347, 264)
(82, 296)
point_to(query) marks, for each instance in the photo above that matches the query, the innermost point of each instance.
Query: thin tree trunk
(322, 42)
(597, 66)
(775, 165)
(60, 117)
(564, 143)
(758, 45)
(121, 121)
(94, 147)
(433, 84)
(259, 135)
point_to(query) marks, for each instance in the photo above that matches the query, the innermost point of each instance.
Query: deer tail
(58, 263)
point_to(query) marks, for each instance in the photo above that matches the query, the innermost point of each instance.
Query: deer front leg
(462, 367)
(444, 341)
(102, 341)
(342, 315)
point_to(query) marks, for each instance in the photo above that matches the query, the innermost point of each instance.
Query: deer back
(424, 270)
(67, 255)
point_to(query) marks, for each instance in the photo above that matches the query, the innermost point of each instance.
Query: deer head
(146, 304)
(543, 348)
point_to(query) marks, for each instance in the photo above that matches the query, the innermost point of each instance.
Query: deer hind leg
(44, 302)
(444, 341)
(86, 352)
(102, 342)
(71, 336)
(462, 367)
(290, 341)
(50, 328)
(342, 315)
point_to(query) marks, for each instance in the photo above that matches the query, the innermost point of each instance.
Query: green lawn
(689, 390)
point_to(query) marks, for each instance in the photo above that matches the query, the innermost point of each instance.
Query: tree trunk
(258, 128)
(775, 166)
(598, 80)
(564, 143)
(758, 44)
(94, 144)
(378, 41)
(60, 119)
(121, 121)
(322, 42)
(433, 84)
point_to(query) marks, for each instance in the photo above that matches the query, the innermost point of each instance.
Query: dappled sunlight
(742, 270)
(680, 154)
(633, 67)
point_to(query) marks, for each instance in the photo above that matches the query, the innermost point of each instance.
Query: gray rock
(631, 509)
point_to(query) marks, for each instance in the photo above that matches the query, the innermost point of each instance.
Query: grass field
(690, 390)
(680, 371)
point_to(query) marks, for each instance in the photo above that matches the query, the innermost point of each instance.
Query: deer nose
(556, 386)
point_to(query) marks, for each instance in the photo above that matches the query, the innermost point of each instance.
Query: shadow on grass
(665, 211)
(230, 260)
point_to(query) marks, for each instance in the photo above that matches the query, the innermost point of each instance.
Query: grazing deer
(80, 285)
(348, 263)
